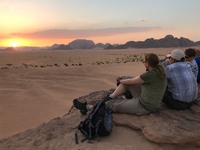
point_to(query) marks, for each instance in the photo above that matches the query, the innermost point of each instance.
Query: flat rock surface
(168, 129)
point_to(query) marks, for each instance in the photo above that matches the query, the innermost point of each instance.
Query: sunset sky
(45, 22)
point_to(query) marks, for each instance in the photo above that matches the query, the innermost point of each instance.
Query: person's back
(181, 82)
(182, 87)
(152, 90)
(190, 54)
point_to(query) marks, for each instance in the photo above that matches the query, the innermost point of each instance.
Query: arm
(135, 80)
(121, 78)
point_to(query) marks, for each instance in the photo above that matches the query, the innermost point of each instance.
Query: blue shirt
(197, 59)
(181, 82)
(194, 67)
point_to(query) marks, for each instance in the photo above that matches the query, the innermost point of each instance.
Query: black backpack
(97, 123)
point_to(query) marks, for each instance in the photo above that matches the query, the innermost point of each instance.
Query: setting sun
(15, 42)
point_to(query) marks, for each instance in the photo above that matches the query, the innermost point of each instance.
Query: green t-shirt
(153, 90)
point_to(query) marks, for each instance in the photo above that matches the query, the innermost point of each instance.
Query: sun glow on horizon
(15, 42)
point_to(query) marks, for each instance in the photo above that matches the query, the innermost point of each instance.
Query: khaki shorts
(130, 106)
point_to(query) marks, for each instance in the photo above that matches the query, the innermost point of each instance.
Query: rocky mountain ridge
(166, 42)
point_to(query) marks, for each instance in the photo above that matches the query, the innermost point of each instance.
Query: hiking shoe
(83, 112)
(81, 106)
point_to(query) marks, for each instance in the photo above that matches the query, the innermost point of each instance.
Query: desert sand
(37, 86)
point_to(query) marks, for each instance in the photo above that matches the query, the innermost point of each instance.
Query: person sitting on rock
(147, 91)
(182, 86)
(190, 54)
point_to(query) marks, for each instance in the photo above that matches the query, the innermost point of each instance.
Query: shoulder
(197, 59)
(177, 67)
(171, 66)
(147, 74)
(194, 62)
(150, 72)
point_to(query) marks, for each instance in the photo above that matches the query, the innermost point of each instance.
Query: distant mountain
(60, 47)
(166, 42)
(82, 44)
(100, 46)
(198, 43)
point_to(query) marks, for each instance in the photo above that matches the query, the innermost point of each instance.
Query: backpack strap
(96, 108)
(97, 126)
(76, 137)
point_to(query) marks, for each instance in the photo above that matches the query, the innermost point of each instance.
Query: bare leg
(120, 90)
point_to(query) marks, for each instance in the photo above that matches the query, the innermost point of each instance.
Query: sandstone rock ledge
(171, 127)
